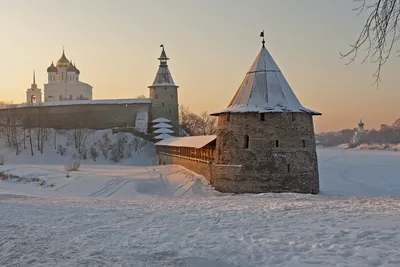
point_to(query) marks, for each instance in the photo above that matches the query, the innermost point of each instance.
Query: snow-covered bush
(135, 143)
(83, 153)
(113, 155)
(74, 164)
(142, 144)
(119, 144)
(94, 153)
(104, 144)
(61, 150)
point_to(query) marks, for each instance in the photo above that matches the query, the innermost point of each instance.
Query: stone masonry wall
(277, 152)
(165, 104)
(93, 116)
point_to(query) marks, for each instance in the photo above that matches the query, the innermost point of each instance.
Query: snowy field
(115, 215)
(351, 172)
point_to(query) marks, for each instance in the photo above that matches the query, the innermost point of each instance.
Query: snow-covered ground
(114, 215)
(352, 172)
(274, 230)
(108, 181)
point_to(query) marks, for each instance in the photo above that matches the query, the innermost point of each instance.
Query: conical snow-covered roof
(265, 89)
(162, 125)
(163, 136)
(163, 130)
(163, 76)
(160, 120)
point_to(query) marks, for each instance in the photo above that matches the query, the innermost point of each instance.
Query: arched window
(33, 99)
(304, 143)
(163, 104)
(288, 168)
(276, 143)
(60, 98)
(246, 141)
(262, 117)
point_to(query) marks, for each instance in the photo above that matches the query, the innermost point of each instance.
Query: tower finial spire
(262, 35)
(163, 58)
(63, 49)
(34, 77)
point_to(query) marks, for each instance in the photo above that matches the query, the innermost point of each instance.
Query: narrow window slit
(246, 141)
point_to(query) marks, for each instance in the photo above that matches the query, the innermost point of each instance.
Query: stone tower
(164, 94)
(265, 140)
(33, 94)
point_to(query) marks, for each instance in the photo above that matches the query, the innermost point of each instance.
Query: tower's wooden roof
(265, 89)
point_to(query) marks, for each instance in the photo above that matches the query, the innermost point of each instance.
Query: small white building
(64, 84)
(359, 133)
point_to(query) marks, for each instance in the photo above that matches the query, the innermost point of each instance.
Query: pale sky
(210, 43)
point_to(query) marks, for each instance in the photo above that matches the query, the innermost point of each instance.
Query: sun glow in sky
(210, 43)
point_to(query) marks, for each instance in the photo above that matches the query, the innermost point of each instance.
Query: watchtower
(265, 140)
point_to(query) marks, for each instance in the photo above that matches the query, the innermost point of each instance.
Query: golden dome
(52, 68)
(71, 68)
(63, 62)
(77, 71)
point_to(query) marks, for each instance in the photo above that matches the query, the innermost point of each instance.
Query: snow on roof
(163, 130)
(163, 136)
(82, 102)
(190, 141)
(162, 125)
(163, 77)
(160, 120)
(265, 89)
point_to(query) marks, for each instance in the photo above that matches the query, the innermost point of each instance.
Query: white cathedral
(63, 84)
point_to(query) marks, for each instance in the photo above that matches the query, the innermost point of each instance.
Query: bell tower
(164, 94)
(33, 94)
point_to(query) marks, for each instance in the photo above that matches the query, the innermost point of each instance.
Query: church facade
(64, 84)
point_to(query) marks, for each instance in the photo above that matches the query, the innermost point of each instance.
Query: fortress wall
(198, 166)
(92, 116)
(236, 179)
(225, 178)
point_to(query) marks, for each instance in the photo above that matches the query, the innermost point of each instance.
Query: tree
(194, 124)
(208, 124)
(80, 133)
(379, 34)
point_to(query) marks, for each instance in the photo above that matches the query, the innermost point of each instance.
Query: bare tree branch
(379, 34)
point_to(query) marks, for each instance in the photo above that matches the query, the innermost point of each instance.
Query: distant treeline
(385, 135)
